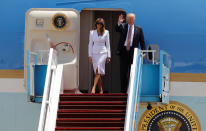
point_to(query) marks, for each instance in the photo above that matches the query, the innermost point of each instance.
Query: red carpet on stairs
(91, 112)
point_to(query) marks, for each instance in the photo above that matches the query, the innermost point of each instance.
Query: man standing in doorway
(130, 37)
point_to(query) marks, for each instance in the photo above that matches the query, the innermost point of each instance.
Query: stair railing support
(134, 91)
(52, 87)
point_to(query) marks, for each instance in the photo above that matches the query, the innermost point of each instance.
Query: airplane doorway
(111, 80)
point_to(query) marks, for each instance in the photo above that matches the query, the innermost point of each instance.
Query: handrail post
(52, 90)
(45, 104)
(133, 91)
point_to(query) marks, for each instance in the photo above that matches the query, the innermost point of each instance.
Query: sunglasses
(99, 23)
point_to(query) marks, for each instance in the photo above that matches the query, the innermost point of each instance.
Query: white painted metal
(132, 103)
(54, 99)
(52, 89)
(128, 115)
(147, 51)
(36, 38)
(32, 63)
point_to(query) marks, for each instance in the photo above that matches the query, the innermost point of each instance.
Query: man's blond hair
(130, 15)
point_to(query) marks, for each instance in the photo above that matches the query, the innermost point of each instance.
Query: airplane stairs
(91, 112)
(62, 111)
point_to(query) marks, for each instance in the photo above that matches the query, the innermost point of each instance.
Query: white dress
(99, 50)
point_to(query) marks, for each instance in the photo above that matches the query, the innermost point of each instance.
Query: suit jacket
(99, 45)
(138, 37)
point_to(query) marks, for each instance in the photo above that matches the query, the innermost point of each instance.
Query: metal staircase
(97, 112)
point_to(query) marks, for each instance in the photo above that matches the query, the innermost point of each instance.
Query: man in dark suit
(130, 37)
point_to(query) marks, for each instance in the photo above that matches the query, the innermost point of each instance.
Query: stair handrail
(134, 91)
(30, 73)
(52, 87)
(57, 85)
(164, 77)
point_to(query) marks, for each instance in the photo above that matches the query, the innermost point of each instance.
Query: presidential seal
(172, 117)
(60, 22)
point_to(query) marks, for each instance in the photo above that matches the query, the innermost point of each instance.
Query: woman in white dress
(99, 52)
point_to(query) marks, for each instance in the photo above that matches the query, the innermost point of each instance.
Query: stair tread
(98, 96)
(85, 122)
(98, 112)
(90, 124)
(90, 111)
(91, 128)
(91, 119)
(89, 94)
(91, 115)
(92, 102)
(95, 105)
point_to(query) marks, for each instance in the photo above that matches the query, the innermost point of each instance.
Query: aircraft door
(52, 28)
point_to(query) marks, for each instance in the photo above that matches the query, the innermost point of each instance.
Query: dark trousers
(126, 58)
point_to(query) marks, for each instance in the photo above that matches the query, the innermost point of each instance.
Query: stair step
(71, 98)
(93, 103)
(92, 98)
(89, 94)
(107, 107)
(89, 124)
(89, 128)
(91, 120)
(91, 115)
(91, 111)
